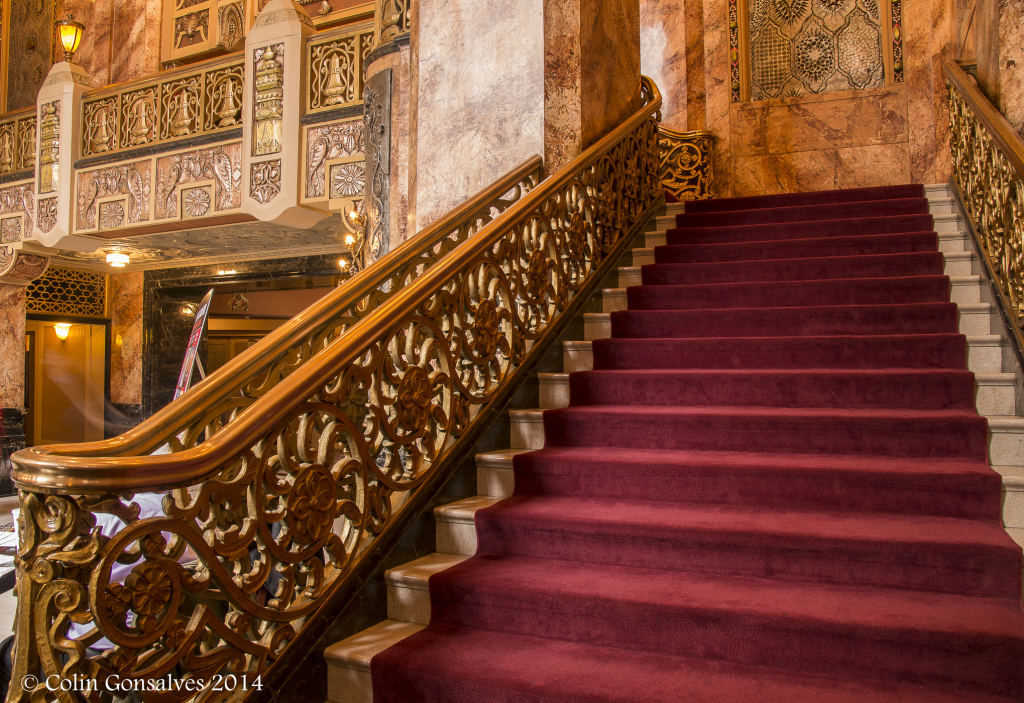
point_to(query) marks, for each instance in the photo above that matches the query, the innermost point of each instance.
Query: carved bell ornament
(70, 34)
(335, 88)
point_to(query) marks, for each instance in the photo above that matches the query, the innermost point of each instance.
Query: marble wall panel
(663, 57)
(965, 43)
(563, 107)
(609, 65)
(126, 332)
(30, 53)
(94, 52)
(825, 169)
(722, 156)
(716, 61)
(834, 120)
(135, 39)
(12, 346)
(696, 88)
(1011, 62)
(480, 99)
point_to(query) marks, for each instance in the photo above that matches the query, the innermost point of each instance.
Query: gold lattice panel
(67, 292)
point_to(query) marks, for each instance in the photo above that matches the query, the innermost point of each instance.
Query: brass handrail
(350, 300)
(988, 175)
(324, 463)
(1005, 136)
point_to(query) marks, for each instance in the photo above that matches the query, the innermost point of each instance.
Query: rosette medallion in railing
(267, 516)
(988, 168)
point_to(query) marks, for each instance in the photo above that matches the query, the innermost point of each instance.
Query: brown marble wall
(121, 40)
(609, 65)
(12, 346)
(1011, 62)
(126, 332)
(398, 203)
(480, 97)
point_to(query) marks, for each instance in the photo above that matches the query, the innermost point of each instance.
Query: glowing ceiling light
(117, 259)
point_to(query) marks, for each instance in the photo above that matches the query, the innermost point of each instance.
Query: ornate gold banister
(281, 505)
(988, 173)
(231, 387)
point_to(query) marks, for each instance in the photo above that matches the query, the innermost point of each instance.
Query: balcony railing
(282, 496)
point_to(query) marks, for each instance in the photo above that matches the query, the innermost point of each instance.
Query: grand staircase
(764, 476)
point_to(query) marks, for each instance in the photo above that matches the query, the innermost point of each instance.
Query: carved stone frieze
(195, 202)
(377, 119)
(99, 125)
(223, 97)
(19, 268)
(230, 25)
(47, 217)
(18, 199)
(268, 65)
(180, 107)
(335, 69)
(193, 28)
(328, 142)
(10, 230)
(7, 146)
(27, 143)
(265, 181)
(49, 147)
(132, 180)
(111, 215)
(221, 164)
(138, 116)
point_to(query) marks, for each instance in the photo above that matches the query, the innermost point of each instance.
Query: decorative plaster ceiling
(213, 245)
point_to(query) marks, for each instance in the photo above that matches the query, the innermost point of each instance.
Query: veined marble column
(12, 379)
(126, 332)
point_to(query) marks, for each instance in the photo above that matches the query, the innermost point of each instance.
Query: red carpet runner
(772, 488)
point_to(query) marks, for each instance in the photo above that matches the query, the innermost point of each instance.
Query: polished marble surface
(1011, 62)
(12, 346)
(126, 333)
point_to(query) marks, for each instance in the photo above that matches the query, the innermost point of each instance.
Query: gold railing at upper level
(281, 505)
(988, 170)
(197, 99)
(18, 141)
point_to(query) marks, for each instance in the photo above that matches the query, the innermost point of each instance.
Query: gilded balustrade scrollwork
(336, 66)
(988, 169)
(18, 141)
(686, 164)
(200, 99)
(280, 487)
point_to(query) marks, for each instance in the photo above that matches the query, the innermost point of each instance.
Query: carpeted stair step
(492, 667)
(884, 432)
(917, 318)
(815, 247)
(958, 289)
(800, 230)
(960, 643)
(849, 291)
(806, 213)
(981, 354)
(960, 488)
(922, 389)
(920, 553)
(929, 263)
(820, 197)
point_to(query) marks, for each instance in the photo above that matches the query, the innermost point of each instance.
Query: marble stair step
(494, 476)
(408, 593)
(456, 530)
(348, 661)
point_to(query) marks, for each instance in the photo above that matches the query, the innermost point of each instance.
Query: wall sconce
(117, 259)
(61, 329)
(70, 34)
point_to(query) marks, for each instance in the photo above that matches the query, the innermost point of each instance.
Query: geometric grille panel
(800, 47)
(67, 292)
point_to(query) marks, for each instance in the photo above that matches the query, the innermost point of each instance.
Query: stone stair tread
(500, 458)
(355, 652)
(416, 573)
(464, 510)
